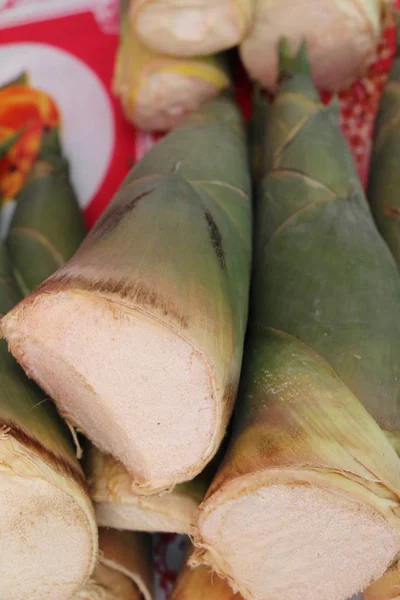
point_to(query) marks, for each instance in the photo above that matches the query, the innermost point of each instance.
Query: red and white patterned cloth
(68, 47)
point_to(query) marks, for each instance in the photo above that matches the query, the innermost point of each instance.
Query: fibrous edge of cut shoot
(190, 29)
(117, 506)
(124, 568)
(139, 350)
(156, 90)
(317, 476)
(348, 33)
(139, 337)
(48, 541)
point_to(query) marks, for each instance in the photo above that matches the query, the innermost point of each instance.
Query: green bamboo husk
(158, 90)
(321, 367)
(124, 568)
(172, 251)
(47, 226)
(384, 178)
(40, 475)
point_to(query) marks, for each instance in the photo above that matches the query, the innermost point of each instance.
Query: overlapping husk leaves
(308, 459)
(171, 254)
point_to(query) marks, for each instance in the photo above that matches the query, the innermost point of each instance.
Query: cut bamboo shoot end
(124, 568)
(157, 91)
(168, 385)
(47, 541)
(387, 588)
(332, 533)
(117, 506)
(191, 28)
(202, 584)
(341, 38)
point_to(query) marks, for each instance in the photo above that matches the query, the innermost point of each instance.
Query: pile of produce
(219, 356)
(175, 54)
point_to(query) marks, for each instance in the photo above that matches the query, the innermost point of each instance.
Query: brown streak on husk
(58, 462)
(115, 217)
(216, 239)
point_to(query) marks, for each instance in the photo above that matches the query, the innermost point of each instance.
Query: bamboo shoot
(158, 90)
(139, 338)
(307, 501)
(117, 506)
(48, 539)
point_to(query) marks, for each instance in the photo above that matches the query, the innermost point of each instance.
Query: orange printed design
(32, 111)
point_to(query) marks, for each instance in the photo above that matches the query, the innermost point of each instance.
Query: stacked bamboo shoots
(139, 338)
(386, 588)
(309, 473)
(48, 539)
(158, 90)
